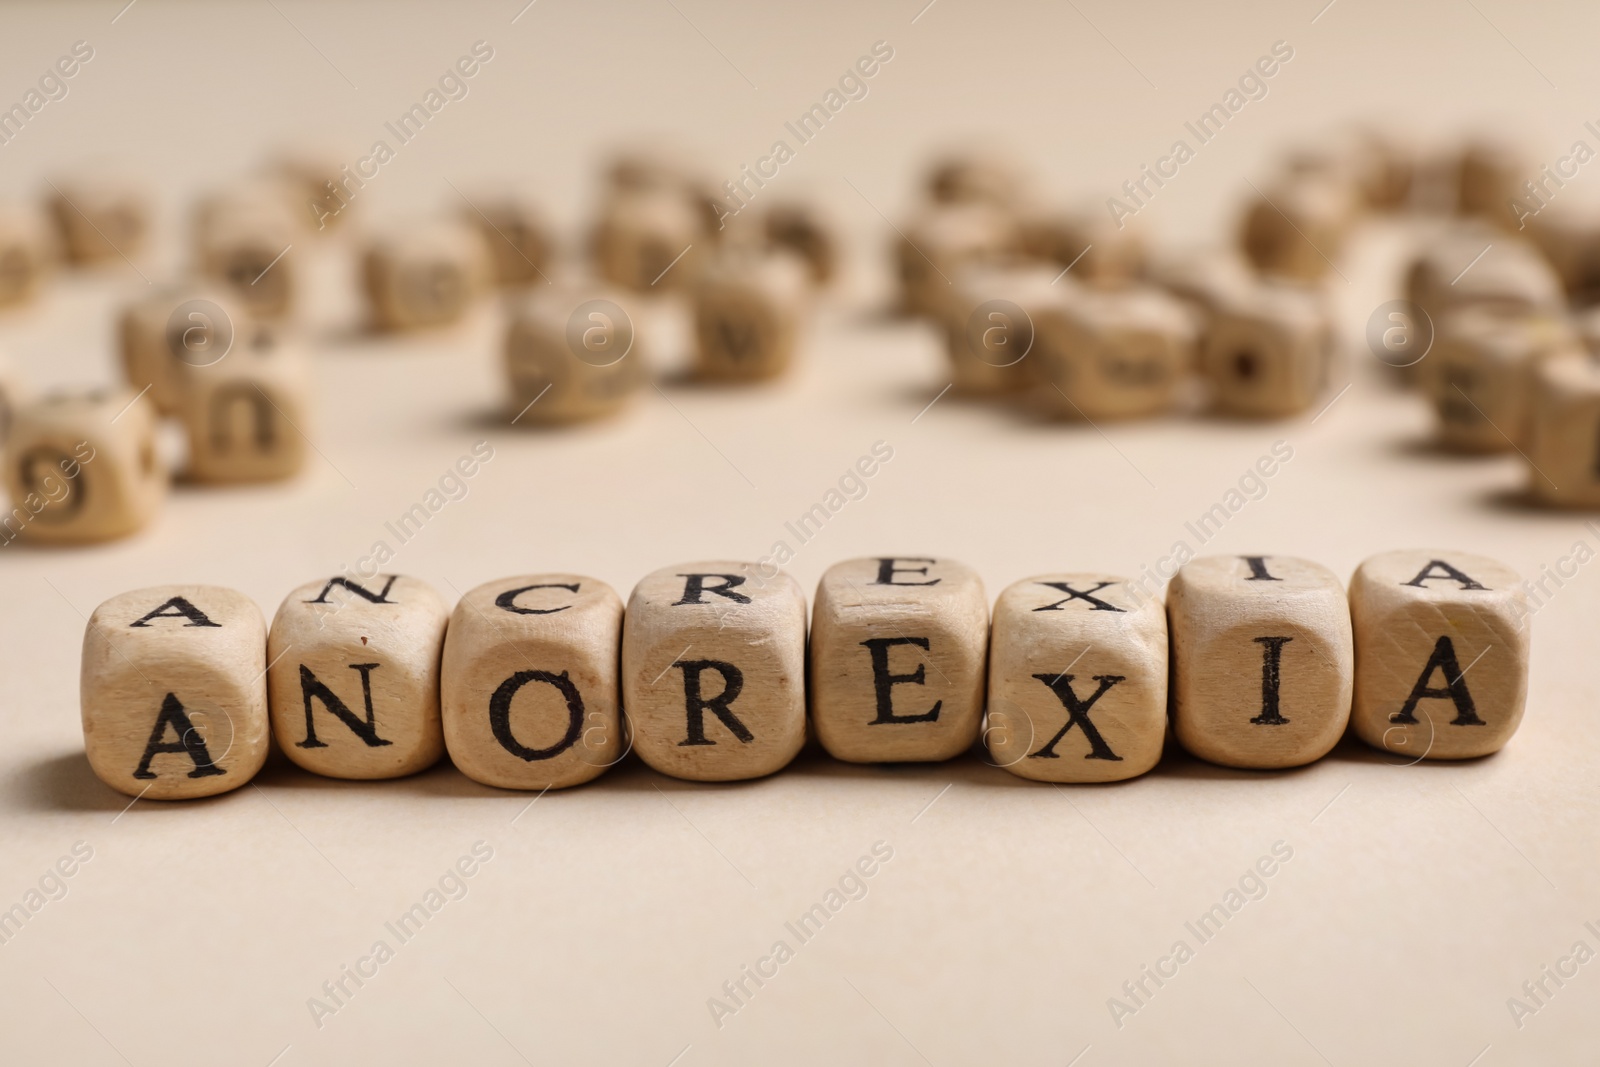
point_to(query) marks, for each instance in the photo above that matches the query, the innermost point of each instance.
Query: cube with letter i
(1262, 660)
(898, 646)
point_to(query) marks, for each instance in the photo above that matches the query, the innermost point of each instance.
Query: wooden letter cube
(748, 310)
(518, 238)
(1442, 646)
(1099, 252)
(573, 354)
(1296, 228)
(425, 276)
(932, 248)
(25, 256)
(644, 239)
(713, 670)
(99, 221)
(529, 688)
(898, 646)
(1077, 679)
(1563, 446)
(174, 691)
(991, 318)
(1267, 352)
(1113, 354)
(244, 242)
(243, 413)
(802, 229)
(83, 467)
(1480, 372)
(354, 681)
(191, 324)
(1262, 660)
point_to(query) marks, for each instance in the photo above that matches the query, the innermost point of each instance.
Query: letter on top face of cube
(898, 646)
(1077, 679)
(713, 670)
(173, 691)
(1262, 659)
(1442, 643)
(529, 689)
(354, 676)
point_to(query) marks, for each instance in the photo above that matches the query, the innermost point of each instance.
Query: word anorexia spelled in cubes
(542, 681)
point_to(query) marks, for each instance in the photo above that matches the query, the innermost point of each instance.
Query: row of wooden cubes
(544, 681)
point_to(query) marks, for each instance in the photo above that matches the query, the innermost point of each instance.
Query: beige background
(1418, 899)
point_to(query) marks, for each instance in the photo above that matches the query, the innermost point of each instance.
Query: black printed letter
(312, 686)
(1455, 688)
(1096, 604)
(181, 609)
(883, 682)
(695, 705)
(500, 713)
(695, 588)
(1271, 654)
(189, 741)
(1078, 715)
(1445, 571)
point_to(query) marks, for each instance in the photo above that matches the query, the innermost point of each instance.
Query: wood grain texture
(714, 682)
(1262, 668)
(529, 687)
(1442, 647)
(1077, 679)
(173, 691)
(897, 659)
(354, 677)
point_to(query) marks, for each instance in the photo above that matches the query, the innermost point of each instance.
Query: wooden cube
(1296, 228)
(990, 319)
(645, 240)
(1563, 431)
(573, 354)
(187, 324)
(1480, 372)
(1476, 265)
(26, 256)
(518, 237)
(99, 220)
(1267, 353)
(748, 311)
(318, 186)
(1204, 279)
(1098, 251)
(1262, 660)
(1111, 354)
(528, 688)
(1570, 241)
(803, 229)
(986, 175)
(354, 677)
(425, 276)
(14, 392)
(244, 414)
(713, 670)
(1077, 679)
(1442, 647)
(1490, 175)
(1378, 165)
(670, 169)
(245, 242)
(83, 467)
(898, 647)
(173, 690)
(933, 247)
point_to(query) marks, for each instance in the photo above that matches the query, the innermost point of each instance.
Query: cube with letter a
(353, 679)
(713, 670)
(1441, 653)
(173, 691)
(1077, 679)
(898, 646)
(1262, 659)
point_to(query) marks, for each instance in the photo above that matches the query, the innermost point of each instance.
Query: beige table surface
(1418, 898)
